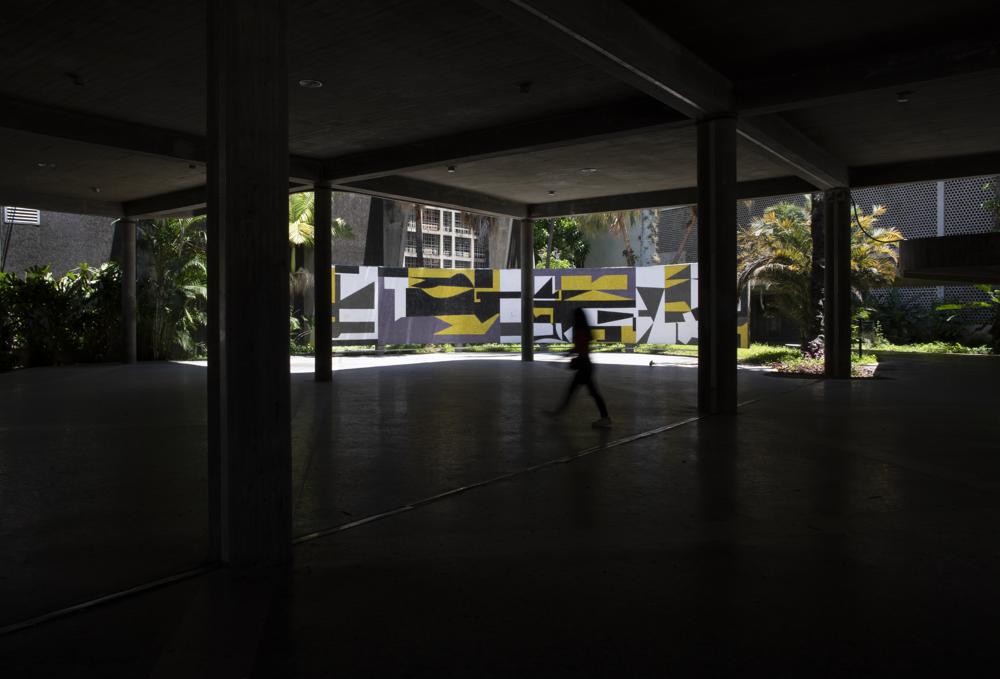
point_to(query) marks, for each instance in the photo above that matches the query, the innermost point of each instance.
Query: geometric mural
(412, 305)
(355, 306)
(606, 296)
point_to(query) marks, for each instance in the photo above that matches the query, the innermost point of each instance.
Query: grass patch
(932, 348)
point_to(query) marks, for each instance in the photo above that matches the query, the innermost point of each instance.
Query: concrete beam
(785, 143)
(621, 119)
(831, 83)
(925, 170)
(757, 188)
(47, 201)
(613, 37)
(410, 190)
(50, 121)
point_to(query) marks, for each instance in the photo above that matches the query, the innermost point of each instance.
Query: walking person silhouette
(584, 369)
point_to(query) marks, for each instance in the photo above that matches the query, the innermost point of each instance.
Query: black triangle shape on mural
(546, 291)
(611, 316)
(653, 299)
(458, 280)
(645, 336)
(360, 299)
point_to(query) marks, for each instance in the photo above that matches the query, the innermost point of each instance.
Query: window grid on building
(467, 248)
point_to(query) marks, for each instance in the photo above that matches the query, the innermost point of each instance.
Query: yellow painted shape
(628, 334)
(743, 331)
(333, 286)
(597, 296)
(671, 282)
(417, 274)
(597, 334)
(671, 270)
(466, 324)
(606, 282)
(682, 307)
(444, 291)
(546, 313)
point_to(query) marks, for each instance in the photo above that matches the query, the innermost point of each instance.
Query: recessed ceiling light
(95, 189)
(47, 166)
(552, 193)
(588, 170)
(451, 169)
(903, 97)
(311, 84)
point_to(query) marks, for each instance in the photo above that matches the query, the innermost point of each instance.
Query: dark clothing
(584, 377)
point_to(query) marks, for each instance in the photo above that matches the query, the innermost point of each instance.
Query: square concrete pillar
(837, 282)
(129, 342)
(527, 291)
(322, 289)
(717, 289)
(248, 405)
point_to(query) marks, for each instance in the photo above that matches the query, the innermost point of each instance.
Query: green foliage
(991, 200)
(861, 366)
(569, 247)
(775, 251)
(172, 295)
(7, 321)
(991, 303)
(44, 321)
(765, 354)
(300, 332)
(931, 348)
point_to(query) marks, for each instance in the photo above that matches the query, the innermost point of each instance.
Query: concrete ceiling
(118, 90)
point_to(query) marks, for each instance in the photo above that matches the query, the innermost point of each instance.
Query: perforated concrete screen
(918, 210)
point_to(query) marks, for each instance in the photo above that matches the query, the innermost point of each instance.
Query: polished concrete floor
(832, 528)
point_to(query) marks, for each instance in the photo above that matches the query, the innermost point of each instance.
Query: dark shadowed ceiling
(109, 96)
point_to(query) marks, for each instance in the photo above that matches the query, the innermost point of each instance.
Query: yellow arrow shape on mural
(466, 324)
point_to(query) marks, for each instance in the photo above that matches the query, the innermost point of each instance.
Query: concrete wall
(353, 209)
(62, 241)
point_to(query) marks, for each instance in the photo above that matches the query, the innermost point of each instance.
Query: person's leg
(598, 399)
(576, 382)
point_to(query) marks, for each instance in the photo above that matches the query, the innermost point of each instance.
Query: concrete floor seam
(314, 535)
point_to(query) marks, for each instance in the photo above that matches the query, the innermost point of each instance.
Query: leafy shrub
(47, 321)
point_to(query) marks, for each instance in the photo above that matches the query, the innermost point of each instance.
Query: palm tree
(618, 224)
(775, 252)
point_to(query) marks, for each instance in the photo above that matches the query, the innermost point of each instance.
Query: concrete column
(322, 290)
(717, 294)
(129, 350)
(249, 430)
(837, 282)
(527, 292)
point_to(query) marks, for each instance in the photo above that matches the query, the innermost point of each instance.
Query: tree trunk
(548, 252)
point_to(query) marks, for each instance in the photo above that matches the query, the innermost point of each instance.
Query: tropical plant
(172, 295)
(775, 252)
(569, 247)
(991, 303)
(44, 320)
(618, 224)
